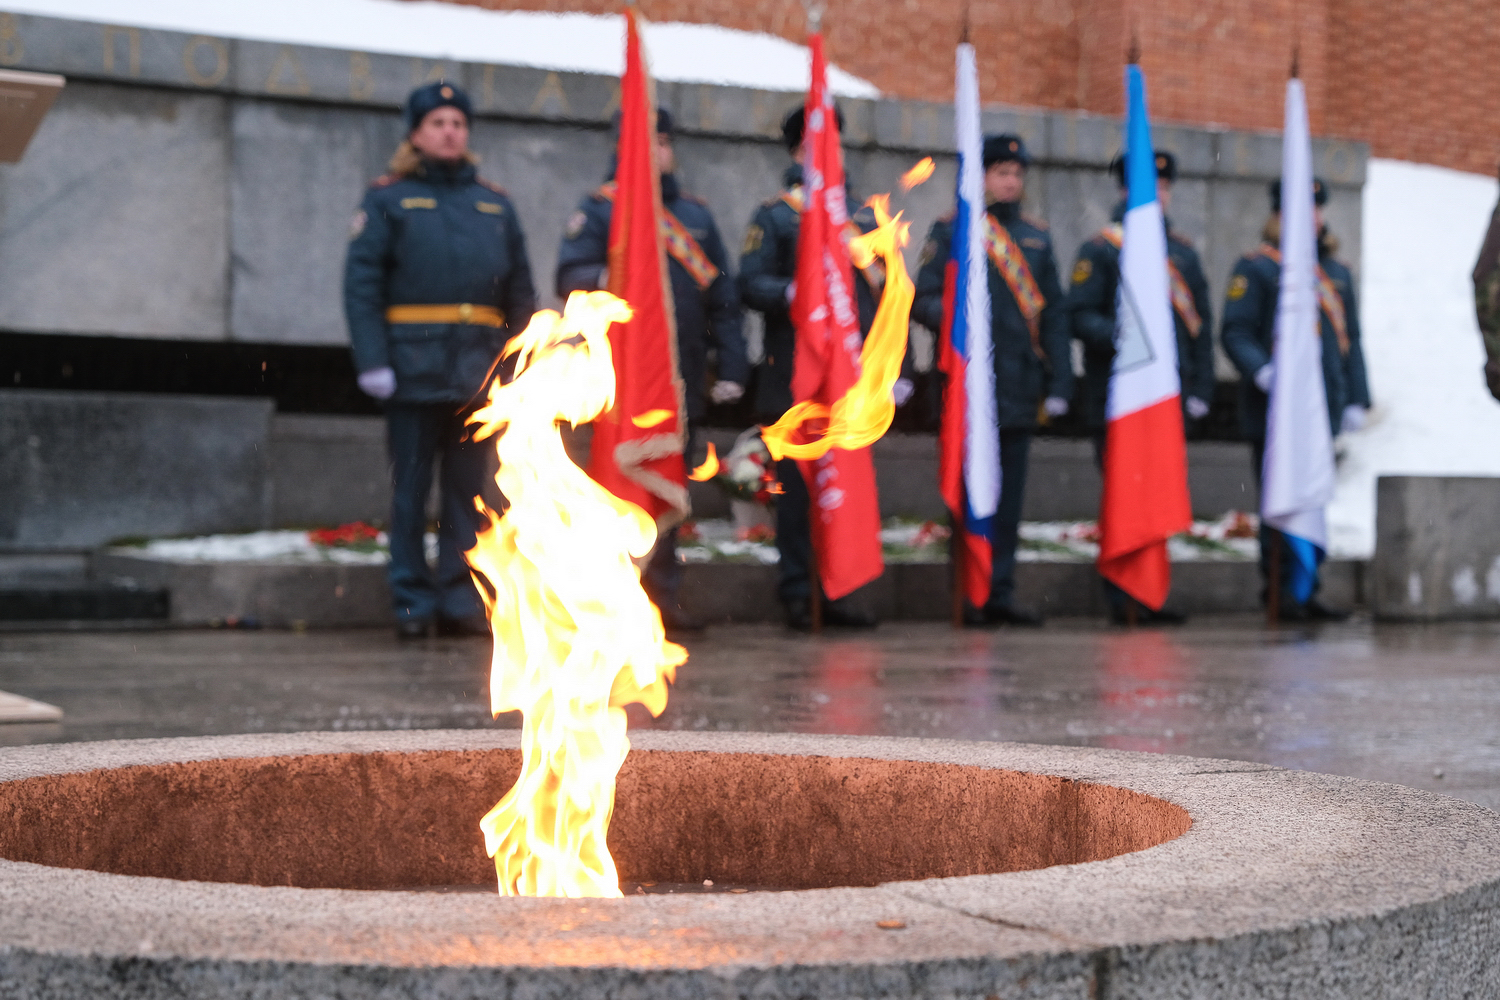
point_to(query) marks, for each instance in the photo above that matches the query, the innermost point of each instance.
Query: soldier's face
(1005, 181)
(443, 134)
(666, 157)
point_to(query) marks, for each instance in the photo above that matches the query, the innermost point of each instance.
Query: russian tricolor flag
(1145, 459)
(1298, 474)
(969, 459)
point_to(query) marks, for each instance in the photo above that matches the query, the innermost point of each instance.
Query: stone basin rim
(1272, 857)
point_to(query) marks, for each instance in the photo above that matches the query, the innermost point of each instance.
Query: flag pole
(955, 538)
(1273, 568)
(956, 568)
(814, 11)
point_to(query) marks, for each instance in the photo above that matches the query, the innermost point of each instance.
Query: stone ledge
(280, 595)
(283, 72)
(1287, 883)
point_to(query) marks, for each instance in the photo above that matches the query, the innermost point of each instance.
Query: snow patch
(1423, 226)
(583, 43)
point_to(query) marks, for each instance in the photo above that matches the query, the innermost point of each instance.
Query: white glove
(1352, 420)
(726, 392)
(1196, 408)
(791, 291)
(1055, 406)
(1264, 377)
(378, 382)
(901, 390)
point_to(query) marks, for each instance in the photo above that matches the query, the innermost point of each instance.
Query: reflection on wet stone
(1413, 705)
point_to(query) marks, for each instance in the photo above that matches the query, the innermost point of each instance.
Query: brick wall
(1414, 78)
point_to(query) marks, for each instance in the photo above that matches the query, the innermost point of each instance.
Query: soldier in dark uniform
(768, 265)
(1029, 327)
(436, 281)
(1248, 335)
(1091, 303)
(707, 309)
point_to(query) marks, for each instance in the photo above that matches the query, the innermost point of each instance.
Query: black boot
(845, 613)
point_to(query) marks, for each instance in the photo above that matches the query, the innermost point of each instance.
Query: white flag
(1298, 472)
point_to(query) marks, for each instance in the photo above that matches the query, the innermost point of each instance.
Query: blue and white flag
(970, 440)
(1298, 474)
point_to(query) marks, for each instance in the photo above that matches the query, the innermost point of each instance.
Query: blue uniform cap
(1001, 148)
(431, 96)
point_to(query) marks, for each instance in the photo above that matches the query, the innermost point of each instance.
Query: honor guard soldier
(768, 265)
(707, 309)
(436, 281)
(1248, 335)
(1091, 305)
(1029, 330)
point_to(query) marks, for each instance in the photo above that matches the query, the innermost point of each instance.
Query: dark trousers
(419, 435)
(663, 573)
(793, 534)
(1270, 537)
(1015, 453)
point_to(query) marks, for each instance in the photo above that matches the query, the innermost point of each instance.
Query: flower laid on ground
(687, 533)
(761, 533)
(355, 534)
(909, 540)
(747, 472)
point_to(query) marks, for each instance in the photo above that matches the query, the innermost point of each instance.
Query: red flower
(353, 533)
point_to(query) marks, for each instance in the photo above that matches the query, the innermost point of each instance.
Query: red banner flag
(845, 511)
(637, 450)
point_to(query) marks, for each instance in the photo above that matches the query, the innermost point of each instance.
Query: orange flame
(918, 174)
(651, 418)
(576, 638)
(861, 415)
(708, 469)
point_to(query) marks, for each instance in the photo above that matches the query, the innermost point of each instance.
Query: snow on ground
(269, 546)
(1432, 416)
(584, 43)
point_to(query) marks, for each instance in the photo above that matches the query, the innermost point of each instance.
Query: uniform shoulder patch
(1032, 220)
(493, 187)
(1083, 270)
(1238, 286)
(575, 225)
(385, 180)
(754, 236)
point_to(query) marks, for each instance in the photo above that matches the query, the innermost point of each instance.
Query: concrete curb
(1288, 884)
(279, 595)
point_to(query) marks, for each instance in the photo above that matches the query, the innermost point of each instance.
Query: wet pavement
(1418, 705)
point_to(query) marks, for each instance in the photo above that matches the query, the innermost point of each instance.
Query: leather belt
(466, 313)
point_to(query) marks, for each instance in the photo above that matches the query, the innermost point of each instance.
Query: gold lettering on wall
(550, 99)
(438, 71)
(132, 49)
(12, 50)
(361, 80)
(216, 49)
(280, 82)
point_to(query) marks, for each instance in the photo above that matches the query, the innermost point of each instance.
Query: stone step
(84, 603)
(278, 595)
